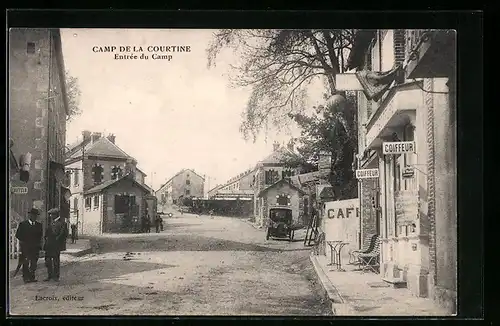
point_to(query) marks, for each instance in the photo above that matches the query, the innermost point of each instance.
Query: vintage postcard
(232, 172)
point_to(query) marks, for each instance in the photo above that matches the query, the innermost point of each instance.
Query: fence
(13, 245)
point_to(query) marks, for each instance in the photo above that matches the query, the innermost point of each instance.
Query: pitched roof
(277, 156)
(181, 171)
(302, 179)
(280, 182)
(102, 147)
(110, 183)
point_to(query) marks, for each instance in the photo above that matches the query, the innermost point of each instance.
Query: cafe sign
(367, 173)
(400, 147)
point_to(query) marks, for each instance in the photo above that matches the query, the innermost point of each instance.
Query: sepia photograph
(232, 172)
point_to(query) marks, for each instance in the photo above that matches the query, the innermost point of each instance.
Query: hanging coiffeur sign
(367, 173)
(400, 147)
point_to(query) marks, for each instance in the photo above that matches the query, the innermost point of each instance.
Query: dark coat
(30, 237)
(55, 237)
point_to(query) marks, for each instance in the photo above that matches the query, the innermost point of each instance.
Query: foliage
(73, 92)
(325, 131)
(278, 65)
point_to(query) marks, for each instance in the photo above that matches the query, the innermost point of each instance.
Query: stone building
(38, 109)
(185, 183)
(95, 169)
(406, 116)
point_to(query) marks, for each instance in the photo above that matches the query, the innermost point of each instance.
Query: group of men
(30, 236)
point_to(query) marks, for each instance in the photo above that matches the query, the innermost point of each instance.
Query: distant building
(107, 188)
(38, 109)
(186, 183)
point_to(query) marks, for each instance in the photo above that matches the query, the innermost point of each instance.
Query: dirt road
(197, 266)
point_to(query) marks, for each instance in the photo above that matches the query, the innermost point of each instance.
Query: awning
(376, 83)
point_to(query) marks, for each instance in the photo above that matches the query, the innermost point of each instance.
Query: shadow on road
(173, 243)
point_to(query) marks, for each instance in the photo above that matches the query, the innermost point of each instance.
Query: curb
(340, 306)
(252, 224)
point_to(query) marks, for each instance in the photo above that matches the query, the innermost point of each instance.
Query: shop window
(96, 202)
(88, 202)
(97, 174)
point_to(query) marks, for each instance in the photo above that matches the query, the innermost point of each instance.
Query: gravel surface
(197, 266)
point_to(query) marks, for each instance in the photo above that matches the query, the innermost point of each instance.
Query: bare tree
(278, 65)
(73, 92)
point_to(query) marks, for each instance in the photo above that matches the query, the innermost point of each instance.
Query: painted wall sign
(402, 147)
(408, 172)
(341, 222)
(367, 173)
(406, 207)
(347, 82)
(19, 190)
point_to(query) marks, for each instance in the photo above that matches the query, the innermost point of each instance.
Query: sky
(169, 115)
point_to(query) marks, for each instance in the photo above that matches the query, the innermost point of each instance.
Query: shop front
(397, 133)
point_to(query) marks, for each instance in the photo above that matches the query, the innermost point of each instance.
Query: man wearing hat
(55, 242)
(29, 233)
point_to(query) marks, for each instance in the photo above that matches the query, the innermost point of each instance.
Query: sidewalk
(354, 293)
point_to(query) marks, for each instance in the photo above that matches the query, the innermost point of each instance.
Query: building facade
(267, 172)
(38, 108)
(92, 162)
(406, 117)
(185, 183)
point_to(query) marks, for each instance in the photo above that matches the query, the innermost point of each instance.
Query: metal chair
(370, 260)
(353, 255)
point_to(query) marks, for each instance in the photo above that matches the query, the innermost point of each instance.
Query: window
(88, 202)
(76, 177)
(116, 172)
(283, 199)
(75, 204)
(387, 50)
(188, 182)
(271, 177)
(67, 175)
(187, 192)
(97, 174)
(30, 48)
(96, 202)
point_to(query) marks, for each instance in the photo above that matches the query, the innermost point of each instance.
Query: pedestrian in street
(158, 223)
(29, 233)
(55, 242)
(73, 232)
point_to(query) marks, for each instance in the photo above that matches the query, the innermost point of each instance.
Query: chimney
(276, 146)
(86, 135)
(324, 163)
(96, 136)
(111, 138)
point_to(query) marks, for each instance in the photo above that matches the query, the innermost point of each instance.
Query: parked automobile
(280, 223)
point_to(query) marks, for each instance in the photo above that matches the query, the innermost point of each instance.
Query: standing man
(29, 233)
(73, 232)
(55, 242)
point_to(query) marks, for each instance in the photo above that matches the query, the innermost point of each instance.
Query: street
(196, 266)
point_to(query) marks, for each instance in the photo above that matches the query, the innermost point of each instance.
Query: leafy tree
(324, 131)
(278, 65)
(73, 92)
